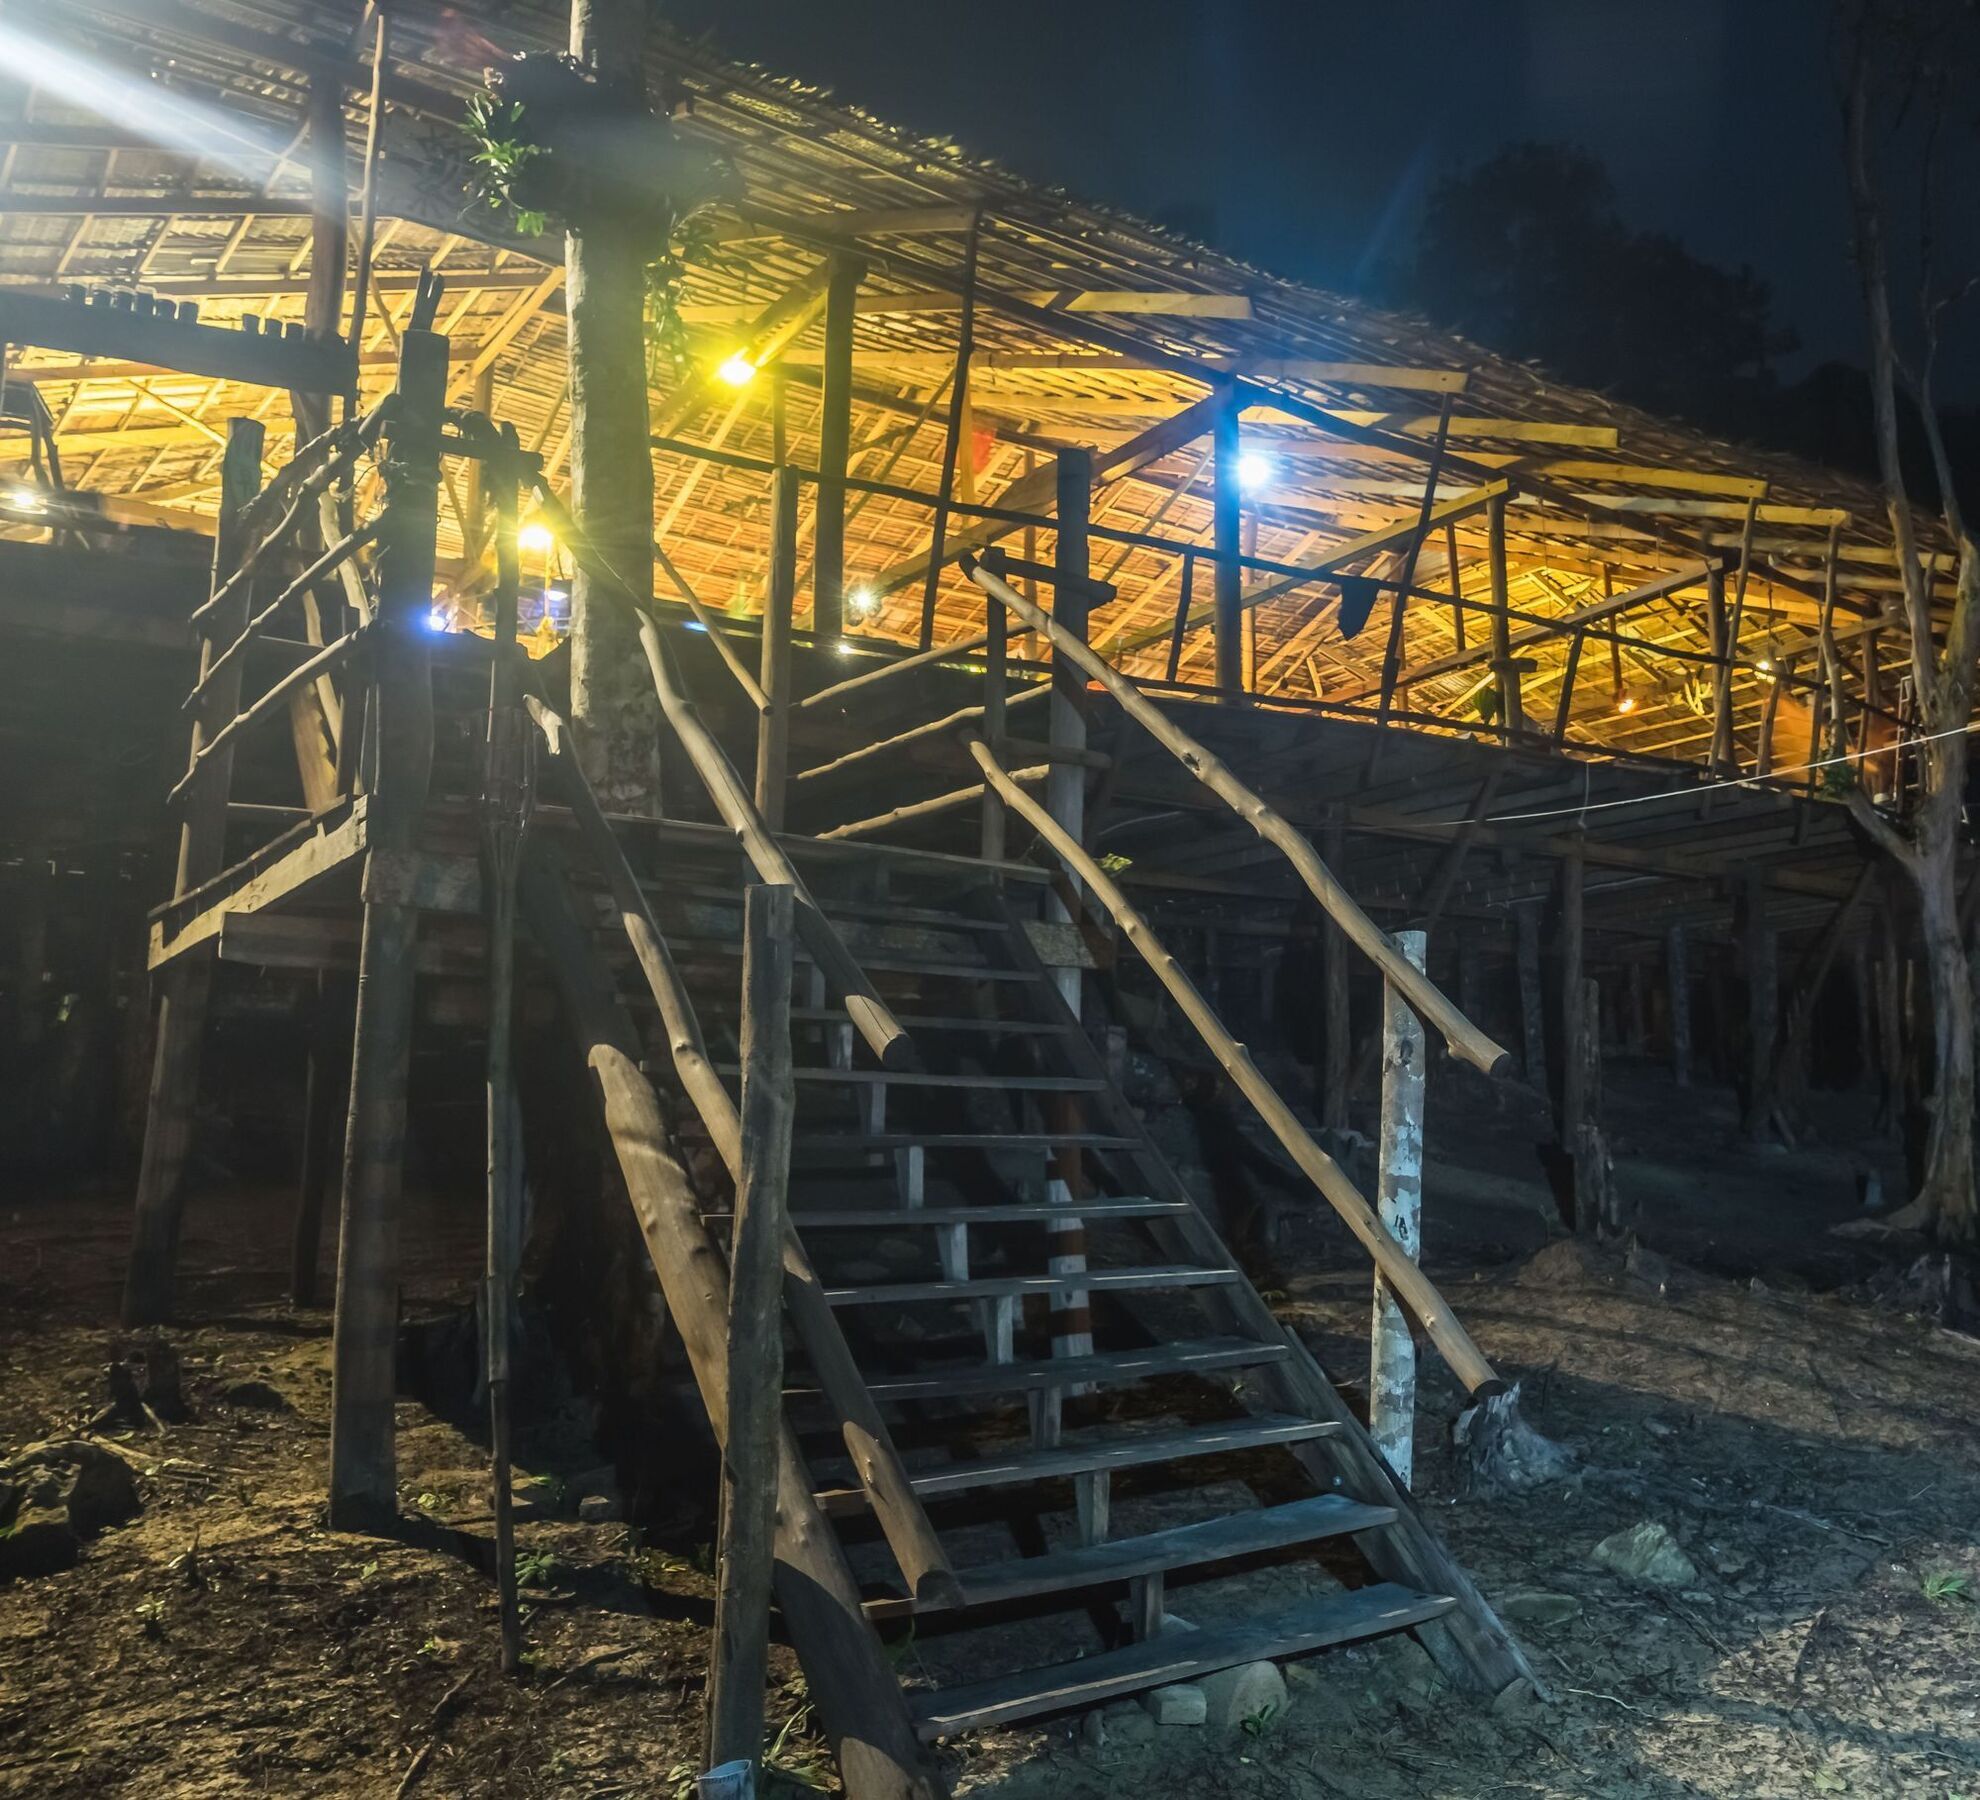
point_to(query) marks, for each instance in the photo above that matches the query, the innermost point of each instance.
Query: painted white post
(1399, 1201)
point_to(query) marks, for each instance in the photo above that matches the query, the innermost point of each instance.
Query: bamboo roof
(1090, 328)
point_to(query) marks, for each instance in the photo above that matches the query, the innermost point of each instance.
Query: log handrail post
(1464, 1038)
(184, 987)
(773, 722)
(1399, 1205)
(363, 1458)
(1512, 708)
(738, 1663)
(1410, 1284)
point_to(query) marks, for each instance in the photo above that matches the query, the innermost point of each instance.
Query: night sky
(1305, 134)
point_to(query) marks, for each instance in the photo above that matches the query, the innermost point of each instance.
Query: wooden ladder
(1036, 1305)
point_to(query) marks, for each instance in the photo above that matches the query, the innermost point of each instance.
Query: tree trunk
(613, 711)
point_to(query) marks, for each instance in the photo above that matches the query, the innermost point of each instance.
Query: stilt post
(185, 984)
(1227, 505)
(773, 725)
(1532, 1010)
(738, 1666)
(828, 539)
(363, 1459)
(1336, 1051)
(1065, 800)
(505, 809)
(1677, 979)
(1399, 1204)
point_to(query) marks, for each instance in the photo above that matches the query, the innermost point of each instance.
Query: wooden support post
(1597, 1211)
(1790, 1067)
(1719, 628)
(995, 686)
(1512, 709)
(1227, 513)
(856, 1691)
(326, 1100)
(1399, 1205)
(1677, 982)
(953, 439)
(739, 1661)
(363, 1462)
(828, 538)
(1762, 1006)
(1336, 1049)
(1532, 1010)
(1065, 800)
(505, 807)
(613, 714)
(185, 984)
(1575, 1020)
(1564, 708)
(773, 724)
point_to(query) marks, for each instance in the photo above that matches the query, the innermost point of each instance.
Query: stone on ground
(1647, 1554)
(1180, 1703)
(1233, 1695)
(54, 1495)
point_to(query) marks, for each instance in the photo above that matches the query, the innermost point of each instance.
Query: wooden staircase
(1050, 1327)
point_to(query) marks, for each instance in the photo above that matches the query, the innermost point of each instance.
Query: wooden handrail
(1464, 1038)
(345, 547)
(299, 677)
(870, 1015)
(930, 1576)
(1408, 1282)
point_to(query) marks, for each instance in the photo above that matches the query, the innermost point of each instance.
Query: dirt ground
(1814, 1454)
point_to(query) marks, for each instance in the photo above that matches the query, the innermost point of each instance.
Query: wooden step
(995, 1287)
(1113, 1367)
(686, 948)
(1180, 1547)
(910, 1022)
(1038, 1084)
(1118, 1450)
(1339, 1618)
(1016, 1212)
(812, 1143)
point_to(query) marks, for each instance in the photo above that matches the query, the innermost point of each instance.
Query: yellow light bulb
(536, 537)
(736, 369)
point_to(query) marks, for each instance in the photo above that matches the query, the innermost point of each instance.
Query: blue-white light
(1255, 470)
(436, 618)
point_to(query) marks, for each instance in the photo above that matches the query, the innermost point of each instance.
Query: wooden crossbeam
(896, 221)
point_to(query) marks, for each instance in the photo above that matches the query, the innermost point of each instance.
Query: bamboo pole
(738, 1663)
(855, 1689)
(1336, 1048)
(828, 537)
(1409, 1283)
(1677, 979)
(1399, 1205)
(923, 1562)
(1464, 1039)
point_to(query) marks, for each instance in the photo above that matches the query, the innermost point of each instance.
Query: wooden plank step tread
(1339, 1618)
(880, 963)
(1191, 1357)
(1046, 1084)
(1119, 1450)
(1180, 1547)
(1016, 1212)
(996, 1287)
(814, 1141)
